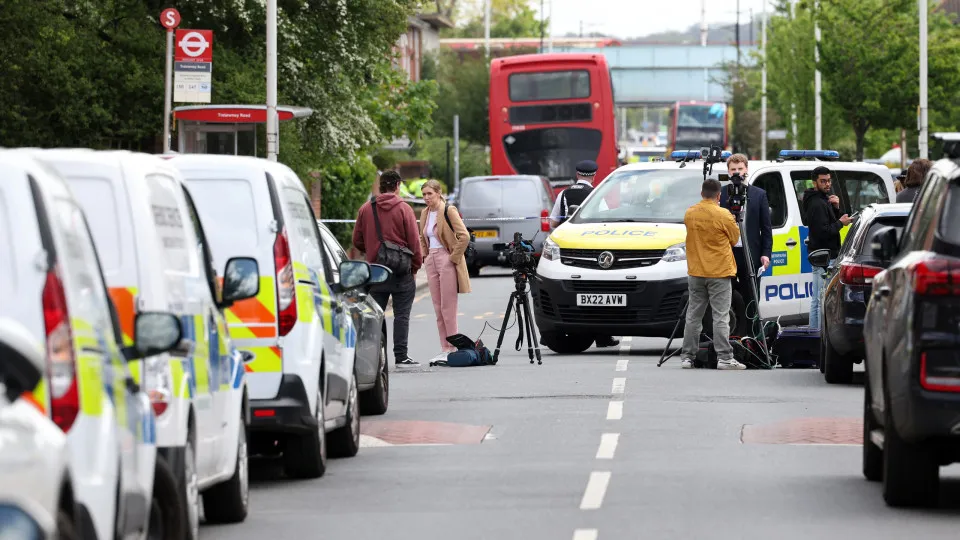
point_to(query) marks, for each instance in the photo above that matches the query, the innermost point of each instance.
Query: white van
(51, 283)
(299, 337)
(155, 258)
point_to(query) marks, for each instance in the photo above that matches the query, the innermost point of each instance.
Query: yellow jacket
(711, 235)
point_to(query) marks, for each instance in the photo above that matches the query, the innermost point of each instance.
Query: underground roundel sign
(193, 46)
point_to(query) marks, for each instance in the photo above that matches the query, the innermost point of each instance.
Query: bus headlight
(674, 253)
(551, 251)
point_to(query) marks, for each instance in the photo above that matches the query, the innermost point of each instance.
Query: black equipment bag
(471, 250)
(397, 258)
(468, 353)
(798, 347)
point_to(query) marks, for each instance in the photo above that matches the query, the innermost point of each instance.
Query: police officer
(575, 194)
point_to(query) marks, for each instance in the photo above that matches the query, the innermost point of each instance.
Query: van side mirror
(155, 332)
(241, 280)
(885, 244)
(23, 361)
(354, 274)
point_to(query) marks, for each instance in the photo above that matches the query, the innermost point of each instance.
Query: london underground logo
(193, 44)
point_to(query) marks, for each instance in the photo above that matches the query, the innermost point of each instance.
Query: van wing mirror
(354, 274)
(23, 361)
(155, 332)
(885, 244)
(241, 280)
(379, 274)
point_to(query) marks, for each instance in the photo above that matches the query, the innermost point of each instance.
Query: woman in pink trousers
(444, 239)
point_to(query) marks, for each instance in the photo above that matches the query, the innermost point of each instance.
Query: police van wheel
(345, 441)
(229, 501)
(305, 456)
(167, 509)
(567, 343)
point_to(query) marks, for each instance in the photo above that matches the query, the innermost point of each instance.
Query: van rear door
(235, 209)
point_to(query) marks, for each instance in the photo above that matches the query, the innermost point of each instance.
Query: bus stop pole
(273, 137)
(168, 83)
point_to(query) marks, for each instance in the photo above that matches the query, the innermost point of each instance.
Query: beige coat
(454, 240)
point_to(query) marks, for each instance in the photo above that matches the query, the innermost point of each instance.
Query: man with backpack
(387, 232)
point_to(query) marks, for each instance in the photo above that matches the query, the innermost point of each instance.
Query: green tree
(464, 90)
(508, 19)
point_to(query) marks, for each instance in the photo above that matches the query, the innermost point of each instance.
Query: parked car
(373, 371)
(51, 280)
(496, 207)
(301, 369)
(911, 413)
(849, 286)
(156, 258)
(36, 487)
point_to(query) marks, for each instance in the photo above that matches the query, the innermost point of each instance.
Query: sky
(635, 18)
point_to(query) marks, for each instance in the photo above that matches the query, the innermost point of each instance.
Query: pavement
(602, 445)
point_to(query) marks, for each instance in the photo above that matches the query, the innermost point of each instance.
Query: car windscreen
(650, 196)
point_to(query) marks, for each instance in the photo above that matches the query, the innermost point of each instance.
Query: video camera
(521, 255)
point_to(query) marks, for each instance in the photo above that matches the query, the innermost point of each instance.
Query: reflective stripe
(91, 382)
(265, 360)
(255, 317)
(201, 354)
(39, 395)
(125, 298)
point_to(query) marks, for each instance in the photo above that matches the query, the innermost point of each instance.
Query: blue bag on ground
(468, 353)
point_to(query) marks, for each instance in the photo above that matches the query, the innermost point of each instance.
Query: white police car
(618, 265)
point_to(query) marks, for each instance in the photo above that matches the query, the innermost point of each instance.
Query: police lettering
(614, 232)
(789, 291)
(166, 216)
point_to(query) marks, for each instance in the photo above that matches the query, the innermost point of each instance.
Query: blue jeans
(816, 302)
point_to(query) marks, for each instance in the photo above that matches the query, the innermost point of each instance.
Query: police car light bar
(691, 155)
(824, 155)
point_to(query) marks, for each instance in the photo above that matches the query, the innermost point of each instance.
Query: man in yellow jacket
(711, 233)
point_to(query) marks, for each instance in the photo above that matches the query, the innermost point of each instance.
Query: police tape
(524, 218)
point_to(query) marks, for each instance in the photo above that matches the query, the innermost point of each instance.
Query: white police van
(618, 265)
(298, 336)
(155, 257)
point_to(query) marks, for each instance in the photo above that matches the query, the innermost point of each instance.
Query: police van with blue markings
(156, 257)
(618, 265)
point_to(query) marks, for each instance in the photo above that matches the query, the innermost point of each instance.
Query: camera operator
(711, 231)
(759, 232)
(821, 213)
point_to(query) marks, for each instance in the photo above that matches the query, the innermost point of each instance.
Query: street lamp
(923, 80)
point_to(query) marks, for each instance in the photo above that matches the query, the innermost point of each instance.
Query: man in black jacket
(821, 213)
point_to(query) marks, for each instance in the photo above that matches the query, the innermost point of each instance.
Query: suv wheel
(911, 475)
(837, 369)
(872, 454)
(376, 400)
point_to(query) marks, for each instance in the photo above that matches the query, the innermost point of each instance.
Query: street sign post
(170, 19)
(193, 66)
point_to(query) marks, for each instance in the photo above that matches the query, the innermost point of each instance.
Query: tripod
(520, 300)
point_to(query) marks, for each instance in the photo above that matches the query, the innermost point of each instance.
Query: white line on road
(627, 339)
(585, 534)
(608, 445)
(622, 365)
(619, 383)
(615, 410)
(625, 349)
(596, 489)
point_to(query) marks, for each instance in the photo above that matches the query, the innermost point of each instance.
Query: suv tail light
(544, 221)
(286, 284)
(940, 370)
(938, 277)
(61, 359)
(858, 274)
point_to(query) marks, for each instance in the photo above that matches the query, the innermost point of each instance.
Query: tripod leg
(503, 328)
(533, 342)
(683, 315)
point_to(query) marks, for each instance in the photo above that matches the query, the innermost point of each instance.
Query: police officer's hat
(587, 168)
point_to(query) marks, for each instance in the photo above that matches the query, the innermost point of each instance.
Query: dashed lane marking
(622, 365)
(619, 384)
(608, 445)
(596, 490)
(615, 410)
(585, 534)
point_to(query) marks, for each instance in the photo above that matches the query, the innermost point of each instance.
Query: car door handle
(791, 242)
(881, 292)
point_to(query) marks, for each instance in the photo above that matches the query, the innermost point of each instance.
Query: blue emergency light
(823, 155)
(691, 155)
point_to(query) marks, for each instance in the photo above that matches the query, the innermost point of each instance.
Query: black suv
(849, 285)
(911, 412)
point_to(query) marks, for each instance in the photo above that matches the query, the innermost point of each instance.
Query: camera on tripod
(522, 258)
(520, 255)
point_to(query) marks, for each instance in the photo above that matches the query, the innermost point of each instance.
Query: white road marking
(585, 534)
(596, 489)
(625, 349)
(608, 445)
(615, 410)
(619, 383)
(622, 365)
(627, 339)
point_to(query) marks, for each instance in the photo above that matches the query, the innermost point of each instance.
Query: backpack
(468, 353)
(472, 246)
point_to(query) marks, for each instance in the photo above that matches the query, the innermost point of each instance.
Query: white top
(431, 230)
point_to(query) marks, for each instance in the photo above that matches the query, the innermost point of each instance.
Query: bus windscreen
(549, 85)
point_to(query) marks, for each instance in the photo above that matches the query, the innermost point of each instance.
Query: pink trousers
(442, 278)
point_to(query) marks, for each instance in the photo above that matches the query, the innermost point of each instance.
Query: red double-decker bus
(550, 111)
(697, 124)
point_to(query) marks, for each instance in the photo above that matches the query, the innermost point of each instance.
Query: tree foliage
(508, 19)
